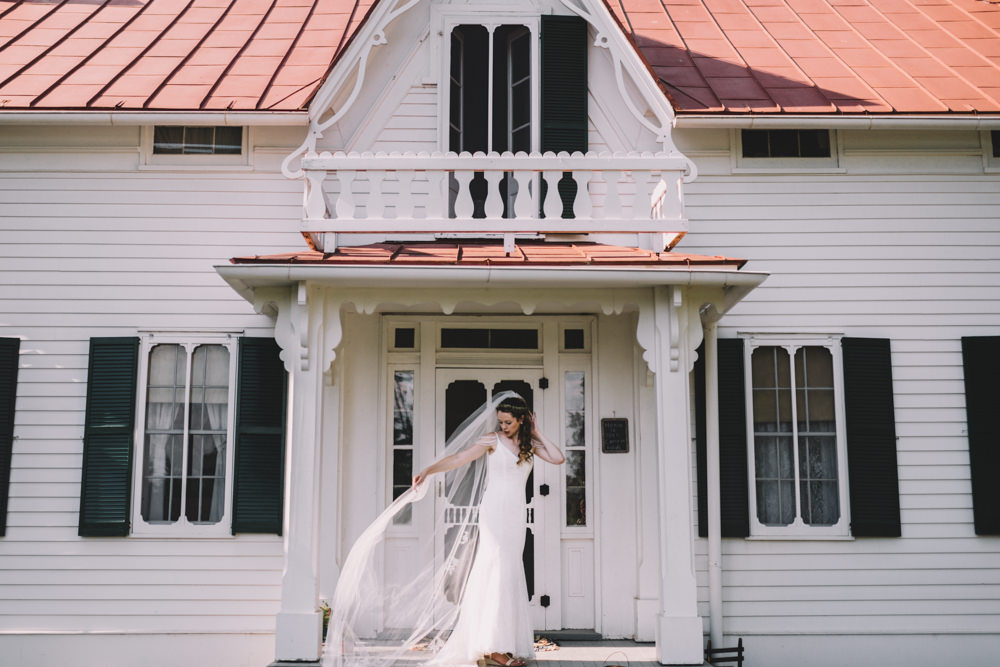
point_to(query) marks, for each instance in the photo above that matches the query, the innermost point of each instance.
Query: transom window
(786, 143)
(184, 474)
(197, 140)
(797, 449)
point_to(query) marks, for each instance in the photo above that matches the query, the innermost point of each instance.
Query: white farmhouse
(259, 257)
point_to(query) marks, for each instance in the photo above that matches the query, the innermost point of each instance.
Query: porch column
(678, 628)
(298, 632)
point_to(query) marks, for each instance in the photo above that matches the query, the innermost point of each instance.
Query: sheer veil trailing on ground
(378, 620)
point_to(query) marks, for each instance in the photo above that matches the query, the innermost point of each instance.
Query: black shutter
(109, 422)
(732, 440)
(564, 93)
(10, 349)
(871, 438)
(258, 482)
(981, 360)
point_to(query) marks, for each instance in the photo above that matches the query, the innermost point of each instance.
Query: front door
(459, 393)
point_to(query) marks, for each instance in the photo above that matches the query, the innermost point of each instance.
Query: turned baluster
(345, 202)
(463, 201)
(404, 198)
(315, 201)
(553, 205)
(583, 205)
(524, 204)
(612, 198)
(493, 207)
(376, 198)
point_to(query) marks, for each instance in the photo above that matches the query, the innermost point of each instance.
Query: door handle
(543, 490)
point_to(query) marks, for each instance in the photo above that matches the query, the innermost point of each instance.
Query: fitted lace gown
(494, 615)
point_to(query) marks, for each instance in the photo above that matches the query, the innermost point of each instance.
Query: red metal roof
(710, 56)
(266, 55)
(820, 56)
(491, 253)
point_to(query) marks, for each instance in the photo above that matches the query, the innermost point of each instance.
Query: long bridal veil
(380, 617)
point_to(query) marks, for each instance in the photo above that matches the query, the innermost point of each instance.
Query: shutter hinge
(544, 601)
(543, 383)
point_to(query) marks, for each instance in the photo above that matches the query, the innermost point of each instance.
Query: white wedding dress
(494, 614)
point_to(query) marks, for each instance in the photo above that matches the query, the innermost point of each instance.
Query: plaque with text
(614, 435)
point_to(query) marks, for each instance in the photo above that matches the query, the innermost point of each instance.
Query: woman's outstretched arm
(544, 448)
(456, 460)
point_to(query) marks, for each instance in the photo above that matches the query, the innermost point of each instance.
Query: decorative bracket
(658, 330)
(360, 53)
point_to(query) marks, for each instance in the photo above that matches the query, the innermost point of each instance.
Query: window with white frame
(797, 448)
(185, 426)
(196, 146)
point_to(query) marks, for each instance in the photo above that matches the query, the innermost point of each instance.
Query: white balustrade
(448, 192)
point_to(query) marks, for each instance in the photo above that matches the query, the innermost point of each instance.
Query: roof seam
(190, 54)
(708, 86)
(146, 50)
(284, 59)
(34, 23)
(940, 26)
(47, 51)
(83, 61)
(239, 54)
(891, 62)
(835, 55)
(777, 45)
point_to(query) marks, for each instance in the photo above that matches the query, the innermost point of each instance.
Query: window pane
(164, 432)
(168, 140)
(755, 143)
(814, 143)
(574, 392)
(228, 140)
(783, 143)
(199, 140)
(402, 413)
(817, 432)
(402, 438)
(576, 488)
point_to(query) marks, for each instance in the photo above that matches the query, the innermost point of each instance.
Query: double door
(459, 393)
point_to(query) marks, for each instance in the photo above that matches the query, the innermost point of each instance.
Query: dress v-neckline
(500, 443)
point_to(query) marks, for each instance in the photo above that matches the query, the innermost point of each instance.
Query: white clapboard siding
(912, 258)
(93, 247)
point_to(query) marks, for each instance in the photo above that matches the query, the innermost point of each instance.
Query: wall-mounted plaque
(614, 435)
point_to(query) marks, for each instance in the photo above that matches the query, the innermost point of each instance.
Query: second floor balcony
(400, 194)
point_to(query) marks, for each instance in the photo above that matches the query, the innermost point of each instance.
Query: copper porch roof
(710, 56)
(491, 253)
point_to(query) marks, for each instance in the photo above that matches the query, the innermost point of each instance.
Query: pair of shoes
(505, 660)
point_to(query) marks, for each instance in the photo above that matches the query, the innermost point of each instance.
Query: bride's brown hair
(518, 408)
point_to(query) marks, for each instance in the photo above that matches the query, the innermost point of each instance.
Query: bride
(466, 601)
(494, 623)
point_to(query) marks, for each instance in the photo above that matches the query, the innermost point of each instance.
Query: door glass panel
(575, 445)
(402, 439)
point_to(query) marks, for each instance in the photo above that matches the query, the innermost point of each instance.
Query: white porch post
(678, 627)
(298, 632)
